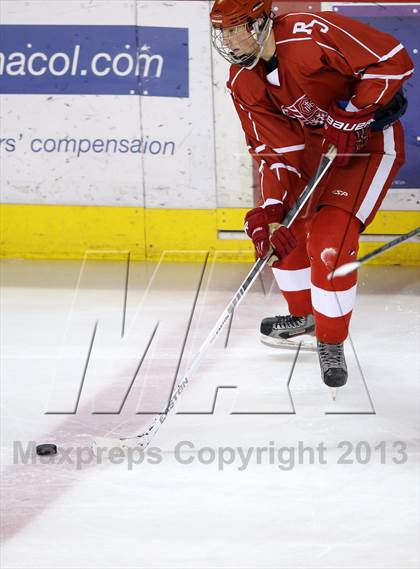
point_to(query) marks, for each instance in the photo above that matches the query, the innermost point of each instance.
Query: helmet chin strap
(261, 37)
(262, 40)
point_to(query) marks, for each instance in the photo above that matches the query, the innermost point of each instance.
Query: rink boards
(118, 134)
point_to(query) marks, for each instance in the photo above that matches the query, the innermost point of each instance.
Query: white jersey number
(301, 27)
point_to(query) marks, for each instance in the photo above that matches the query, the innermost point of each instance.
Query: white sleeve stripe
(285, 167)
(331, 48)
(285, 149)
(338, 28)
(236, 76)
(293, 39)
(391, 53)
(253, 125)
(261, 171)
(383, 91)
(250, 118)
(374, 76)
(260, 148)
(271, 201)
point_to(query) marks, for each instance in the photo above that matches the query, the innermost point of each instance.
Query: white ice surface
(198, 515)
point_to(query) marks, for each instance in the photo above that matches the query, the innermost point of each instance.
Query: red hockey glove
(348, 132)
(283, 241)
(257, 226)
(261, 223)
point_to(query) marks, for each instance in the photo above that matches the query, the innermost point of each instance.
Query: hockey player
(300, 82)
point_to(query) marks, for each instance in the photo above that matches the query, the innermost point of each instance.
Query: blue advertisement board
(402, 22)
(100, 60)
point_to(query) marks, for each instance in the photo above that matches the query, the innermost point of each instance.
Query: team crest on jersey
(305, 110)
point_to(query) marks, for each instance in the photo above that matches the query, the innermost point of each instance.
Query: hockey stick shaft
(324, 165)
(145, 438)
(390, 245)
(348, 268)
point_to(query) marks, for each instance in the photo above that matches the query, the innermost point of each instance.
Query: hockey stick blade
(344, 270)
(348, 268)
(142, 440)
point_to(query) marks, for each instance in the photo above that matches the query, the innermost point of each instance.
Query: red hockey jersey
(322, 58)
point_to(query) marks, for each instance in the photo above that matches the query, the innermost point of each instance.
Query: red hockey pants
(328, 240)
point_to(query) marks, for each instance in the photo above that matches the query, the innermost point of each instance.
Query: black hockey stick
(348, 268)
(144, 438)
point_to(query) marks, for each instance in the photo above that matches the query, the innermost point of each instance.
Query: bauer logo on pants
(99, 60)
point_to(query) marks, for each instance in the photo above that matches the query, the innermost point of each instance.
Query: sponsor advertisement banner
(118, 60)
(74, 132)
(112, 114)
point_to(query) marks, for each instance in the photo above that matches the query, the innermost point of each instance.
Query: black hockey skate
(288, 332)
(333, 364)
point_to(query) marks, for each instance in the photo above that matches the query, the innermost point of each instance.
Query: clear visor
(243, 45)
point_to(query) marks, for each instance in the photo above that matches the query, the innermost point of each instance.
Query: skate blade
(305, 342)
(334, 393)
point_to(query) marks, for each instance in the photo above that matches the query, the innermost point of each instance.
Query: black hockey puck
(46, 449)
